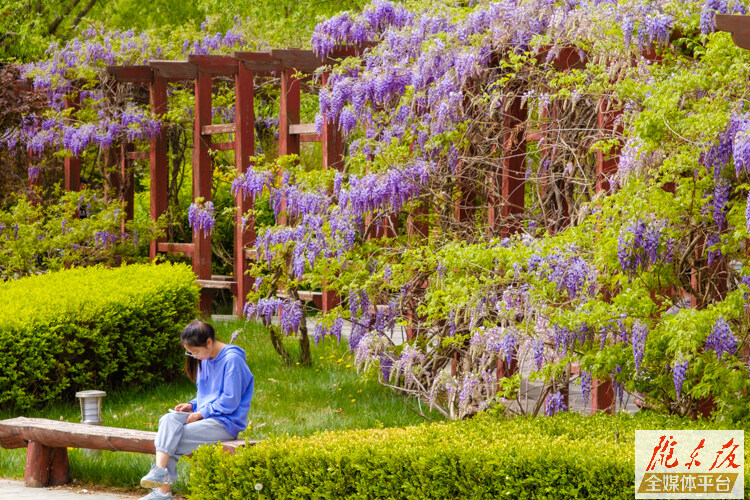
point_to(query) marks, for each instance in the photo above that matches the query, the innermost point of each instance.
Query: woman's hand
(193, 417)
(184, 407)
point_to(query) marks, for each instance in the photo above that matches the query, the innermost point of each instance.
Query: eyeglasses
(191, 355)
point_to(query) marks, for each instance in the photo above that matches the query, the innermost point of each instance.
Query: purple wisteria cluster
(555, 404)
(344, 29)
(409, 364)
(537, 349)
(649, 23)
(678, 375)
(298, 201)
(131, 123)
(497, 340)
(639, 335)
(202, 217)
(617, 386)
(586, 386)
(571, 274)
(92, 51)
(289, 311)
(105, 238)
(565, 339)
(252, 183)
(216, 42)
(320, 331)
(388, 191)
(642, 245)
(721, 340)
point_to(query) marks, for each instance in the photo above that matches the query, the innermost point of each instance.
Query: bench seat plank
(16, 432)
(57, 434)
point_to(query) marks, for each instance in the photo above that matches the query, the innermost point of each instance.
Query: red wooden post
(333, 157)
(332, 143)
(417, 225)
(158, 156)
(244, 148)
(512, 175)
(602, 395)
(289, 114)
(38, 460)
(202, 182)
(72, 164)
(36, 181)
(465, 206)
(127, 193)
(606, 166)
(511, 183)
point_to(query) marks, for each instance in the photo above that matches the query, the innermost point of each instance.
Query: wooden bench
(47, 442)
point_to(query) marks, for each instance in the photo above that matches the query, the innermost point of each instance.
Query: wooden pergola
(201, 70)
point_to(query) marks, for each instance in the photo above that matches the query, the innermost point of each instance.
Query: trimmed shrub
(92, 328)
(567, 456)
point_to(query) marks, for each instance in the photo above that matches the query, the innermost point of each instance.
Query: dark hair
(196, 334)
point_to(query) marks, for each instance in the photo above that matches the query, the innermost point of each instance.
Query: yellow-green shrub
(91, 328)
(568, 456)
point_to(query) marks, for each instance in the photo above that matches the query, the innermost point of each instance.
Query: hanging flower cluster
(642, 245)
(721, 340)
(202, 217)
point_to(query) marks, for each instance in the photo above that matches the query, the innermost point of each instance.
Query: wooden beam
(305, 295)
(224, 128)
(175, 248)
(222, 146)
(215, 65)
(732, 23)
(738, 26)
(175, 70)
(258, 61)
(300, 60)
(217, 284)
(138, 155)
(131, 74)
(310, 138)
(302, 128)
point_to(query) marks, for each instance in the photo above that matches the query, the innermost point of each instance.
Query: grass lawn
(288, 399)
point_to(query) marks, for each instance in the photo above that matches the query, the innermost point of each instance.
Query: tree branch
(59, 19)
(85, 11)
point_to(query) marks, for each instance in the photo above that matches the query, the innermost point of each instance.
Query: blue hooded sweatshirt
(225, 389)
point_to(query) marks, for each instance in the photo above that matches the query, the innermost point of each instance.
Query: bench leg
(59, 468)
(46, 466)
(38, 459)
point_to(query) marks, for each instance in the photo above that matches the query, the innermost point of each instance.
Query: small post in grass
(91, 411)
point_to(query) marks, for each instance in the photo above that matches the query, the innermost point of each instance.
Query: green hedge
(91, 328)
(568, 456)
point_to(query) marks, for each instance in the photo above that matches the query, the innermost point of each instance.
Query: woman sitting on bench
(219, 412)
